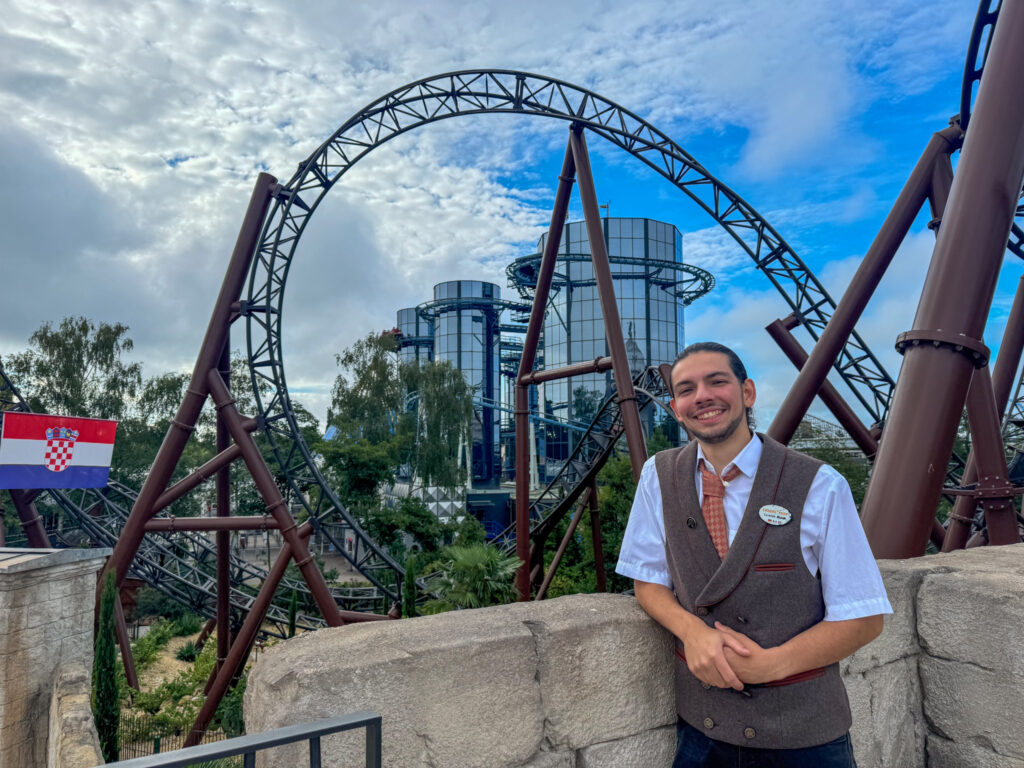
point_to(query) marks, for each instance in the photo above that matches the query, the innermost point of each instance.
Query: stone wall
(585, 681)
(73, 742)
(46, 612)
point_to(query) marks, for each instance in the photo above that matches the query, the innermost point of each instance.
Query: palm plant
(472, 576)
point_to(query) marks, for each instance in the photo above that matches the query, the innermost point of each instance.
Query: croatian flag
(39, 451)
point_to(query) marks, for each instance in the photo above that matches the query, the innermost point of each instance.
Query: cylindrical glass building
(416, 343)
(646, 264)
(466, 316)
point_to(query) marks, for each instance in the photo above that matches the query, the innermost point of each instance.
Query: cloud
(133, 133)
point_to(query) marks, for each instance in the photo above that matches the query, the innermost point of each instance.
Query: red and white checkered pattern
(58, 454)
(713, 508)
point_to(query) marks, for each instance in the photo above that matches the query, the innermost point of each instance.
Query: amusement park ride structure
(914, 421)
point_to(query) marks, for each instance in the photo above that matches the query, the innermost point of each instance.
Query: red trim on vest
(774, 567)
(799, 677)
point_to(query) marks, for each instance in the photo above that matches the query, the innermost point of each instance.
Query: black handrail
(249, 744)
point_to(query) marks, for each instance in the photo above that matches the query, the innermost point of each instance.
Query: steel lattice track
(182, 564)
(479, 92)
(592, 451)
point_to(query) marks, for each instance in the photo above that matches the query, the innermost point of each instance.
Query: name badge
(773, 514)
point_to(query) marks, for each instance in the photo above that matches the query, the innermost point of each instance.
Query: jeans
(695, 750)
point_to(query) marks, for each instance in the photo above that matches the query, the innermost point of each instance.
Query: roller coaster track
(180, 564)
(476, 92)
(593, 449)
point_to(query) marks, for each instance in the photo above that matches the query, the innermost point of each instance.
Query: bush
(187, 624)
(153, 603)
(187, 652)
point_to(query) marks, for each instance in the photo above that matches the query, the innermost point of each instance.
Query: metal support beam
(522, 400)
(272, 498)
(862, 286)
(600, 365)
(626, 396)
(791, 348)
(31, 522)
(1003, 373)
(937, 369)
(564, 543)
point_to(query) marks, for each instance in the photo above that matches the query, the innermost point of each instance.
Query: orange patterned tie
(713, 508)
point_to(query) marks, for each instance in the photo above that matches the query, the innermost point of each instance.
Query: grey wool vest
(762, 589)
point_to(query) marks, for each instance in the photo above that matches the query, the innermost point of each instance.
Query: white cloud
(131, 134)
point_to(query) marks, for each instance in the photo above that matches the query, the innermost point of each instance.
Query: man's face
(708, 399)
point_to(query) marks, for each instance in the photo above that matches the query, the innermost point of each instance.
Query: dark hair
(735, 365)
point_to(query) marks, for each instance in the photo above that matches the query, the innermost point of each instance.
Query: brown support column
(273, 499)
(184, 420)
(125, 643)
(1003, 374)
(862, 286)
(955, 302)
(609, 309)
(31, 522)
(246, 637)
(540, 302)
(791, 348)
(563, 544)
(987, 447)
(595, 526)
(223, 510)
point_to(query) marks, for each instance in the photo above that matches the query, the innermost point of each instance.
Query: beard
(724, 433)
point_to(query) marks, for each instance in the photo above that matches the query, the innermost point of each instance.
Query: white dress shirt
(831, 536)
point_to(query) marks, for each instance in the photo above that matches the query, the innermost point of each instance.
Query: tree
(472, 576)
(106, 706)
(76, 369)
(444, 417)
(409, 588)
(365, 402)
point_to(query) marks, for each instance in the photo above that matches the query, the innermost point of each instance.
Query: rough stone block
(943, 753)
(899, 637)
(964, 615)
(971, 705)
(650, 749)
(73, 742)
(888, 724)
(552, 760)
(598, 656)
(457, 690)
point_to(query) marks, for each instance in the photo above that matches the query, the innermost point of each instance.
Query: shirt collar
(746, 460)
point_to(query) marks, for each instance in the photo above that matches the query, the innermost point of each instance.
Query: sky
(131, 135)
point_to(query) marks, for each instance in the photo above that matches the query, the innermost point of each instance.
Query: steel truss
(474, 92)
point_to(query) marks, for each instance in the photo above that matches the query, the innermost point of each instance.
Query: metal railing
(250, 744)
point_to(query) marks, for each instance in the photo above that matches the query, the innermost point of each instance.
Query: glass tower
(646, 264)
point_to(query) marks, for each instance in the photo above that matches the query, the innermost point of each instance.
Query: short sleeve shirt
(832, 538)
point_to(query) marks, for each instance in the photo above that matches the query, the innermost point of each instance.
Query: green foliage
(293, 612)
(585, 403)
(465, 531)
(106, 706)
(472, 576)
(187, 652)
(409, 589)
(357, 468)
(76, 369)
(365, 400)
(146, 648)
(443, 418)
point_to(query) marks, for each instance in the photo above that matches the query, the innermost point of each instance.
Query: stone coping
(16, 560)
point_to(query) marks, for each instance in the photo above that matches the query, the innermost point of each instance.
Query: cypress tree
(106, 705)
(293, 610)
(409, 587)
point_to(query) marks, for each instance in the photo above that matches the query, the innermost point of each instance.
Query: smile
(710, 415)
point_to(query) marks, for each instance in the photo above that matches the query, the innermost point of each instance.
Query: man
(754, 557)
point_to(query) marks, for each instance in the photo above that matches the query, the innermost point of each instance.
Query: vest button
(691, 523)
(709, 723)
(749, 733)
(706, 686)
(702, 611)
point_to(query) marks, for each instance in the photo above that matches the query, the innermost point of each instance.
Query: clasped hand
(725, 658)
